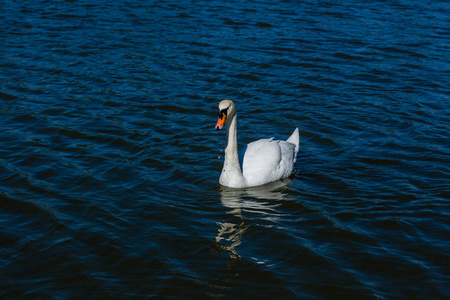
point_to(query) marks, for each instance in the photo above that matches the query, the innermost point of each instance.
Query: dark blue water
(109, 162)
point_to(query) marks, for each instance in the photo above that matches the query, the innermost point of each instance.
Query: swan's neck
(231, 172)
(231, 149)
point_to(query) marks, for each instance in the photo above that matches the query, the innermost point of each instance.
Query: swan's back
(268, 160)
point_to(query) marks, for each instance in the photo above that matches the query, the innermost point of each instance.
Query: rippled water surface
(109, 162)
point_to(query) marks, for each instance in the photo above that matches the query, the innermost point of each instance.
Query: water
(109, 162)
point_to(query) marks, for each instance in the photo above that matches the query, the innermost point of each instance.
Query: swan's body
(260, 162)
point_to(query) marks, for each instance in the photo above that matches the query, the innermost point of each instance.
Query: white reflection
(255, 199)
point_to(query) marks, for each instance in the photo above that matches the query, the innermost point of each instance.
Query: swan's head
(226, 110)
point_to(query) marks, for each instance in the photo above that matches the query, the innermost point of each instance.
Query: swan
(261, 161)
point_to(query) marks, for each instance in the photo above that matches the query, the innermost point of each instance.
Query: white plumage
(260, 162)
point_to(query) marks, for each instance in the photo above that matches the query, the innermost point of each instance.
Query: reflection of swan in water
(256, 199)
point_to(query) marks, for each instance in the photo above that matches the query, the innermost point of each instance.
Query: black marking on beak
(222, 113)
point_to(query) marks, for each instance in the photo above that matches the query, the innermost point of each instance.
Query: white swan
(262, 161)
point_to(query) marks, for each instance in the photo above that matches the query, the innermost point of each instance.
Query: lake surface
(109, 161)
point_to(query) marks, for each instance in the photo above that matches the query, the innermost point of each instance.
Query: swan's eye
(222, 113)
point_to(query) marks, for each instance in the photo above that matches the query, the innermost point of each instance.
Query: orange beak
(220, 122)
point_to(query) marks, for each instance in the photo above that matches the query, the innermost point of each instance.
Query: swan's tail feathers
(295, 139)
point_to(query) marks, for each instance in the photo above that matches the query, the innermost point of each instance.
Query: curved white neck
(231, 172)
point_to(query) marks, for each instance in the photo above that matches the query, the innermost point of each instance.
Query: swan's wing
(267, 160)
(295, 139)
